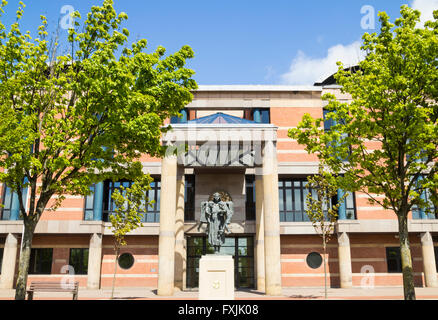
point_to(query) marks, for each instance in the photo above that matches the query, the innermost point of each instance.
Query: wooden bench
(53, 287)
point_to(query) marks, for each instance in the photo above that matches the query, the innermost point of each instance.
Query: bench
(53, 287)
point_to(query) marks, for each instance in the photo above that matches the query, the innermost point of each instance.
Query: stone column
(180, 252)
(94, 261)
(9, 262)
(344, 256)
(166, 243)
(429, 264)
(271, 220)
(260, 235)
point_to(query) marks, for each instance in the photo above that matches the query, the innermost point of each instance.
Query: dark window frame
(393, 261)
(37, 264)
(89, 210)
(152, 214)
(189, 197)
(82, 268)
(1, 258)
(237, 258)
(250, 198)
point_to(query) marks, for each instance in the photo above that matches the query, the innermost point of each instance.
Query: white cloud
(426, 7)
(305, 70)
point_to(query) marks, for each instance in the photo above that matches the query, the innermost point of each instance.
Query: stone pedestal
(216, 277)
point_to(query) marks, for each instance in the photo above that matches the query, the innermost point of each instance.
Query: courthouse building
(238, 144)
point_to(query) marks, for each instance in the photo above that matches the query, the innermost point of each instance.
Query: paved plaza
(394, 293)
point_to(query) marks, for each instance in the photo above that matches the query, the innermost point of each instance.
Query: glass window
(1, 259)
(261, 115)
(242, 250)
(177, 119)
(9, 199)
(433, 211)
(314, 260)
(393, 260)
(79, 260)
(250, 198)
(152, 213)
(189, 198)
(126, 261)
(89, 205)
(41, 261)
(292, 200)
(436, 258)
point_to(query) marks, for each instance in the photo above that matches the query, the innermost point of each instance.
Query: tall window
(183, 119)
(189, 198)
(261, 115)
(350, 206)
(292, 193)
(89, 205)
(152, 213)
(41, 261)
(79, 260)
(250, 201)
(292, 200)
(10, 200)
(433, 211)
(1, 259)
(393, 260)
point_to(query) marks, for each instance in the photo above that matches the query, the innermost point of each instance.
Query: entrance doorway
(242, 250)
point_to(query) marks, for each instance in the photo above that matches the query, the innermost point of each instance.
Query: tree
(385, 141)
(72, 120)
(130, 203)
(321, 211)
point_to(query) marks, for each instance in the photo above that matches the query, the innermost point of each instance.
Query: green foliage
(130, 204)
(72, 120)
(321, 212)
(385, 140)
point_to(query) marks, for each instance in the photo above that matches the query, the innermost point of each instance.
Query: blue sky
(242, 41)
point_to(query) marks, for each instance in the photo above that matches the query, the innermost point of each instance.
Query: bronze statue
(216, 213)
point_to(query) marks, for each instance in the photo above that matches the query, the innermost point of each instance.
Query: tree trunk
(23, 267)
(406, 259)
(115, 272)
(325, 268)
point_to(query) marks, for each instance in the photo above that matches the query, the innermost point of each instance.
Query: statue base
(216, 277)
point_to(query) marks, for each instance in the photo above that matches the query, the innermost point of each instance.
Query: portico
(221, 154)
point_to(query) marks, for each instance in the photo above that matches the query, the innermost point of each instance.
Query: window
(250, 201)
(1, 259)
(436, 258)
(242, 250)
(126, 261)
(177, 119)
(432, 214)
(10, 202)
(40, 261)
(292, 200)
(350, 206)
(189, 198)
(261, 115)
(152, 213)
(314, 260)
(89, 205)
(79, 260)
(393, 260)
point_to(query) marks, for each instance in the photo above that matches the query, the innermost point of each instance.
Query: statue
(217, 213)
